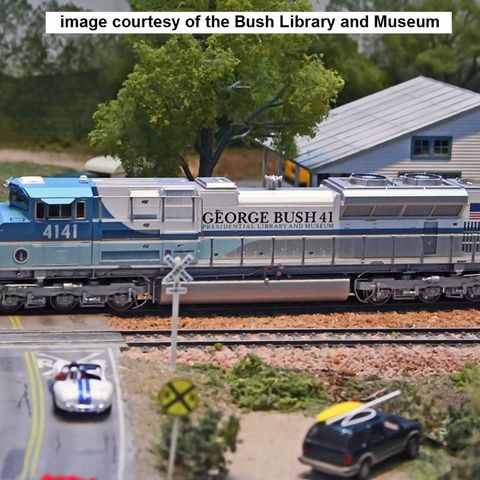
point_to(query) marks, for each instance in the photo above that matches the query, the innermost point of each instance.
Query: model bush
(256, 385)
(464, 421)
(468, 462)
(202, 444)
(468, 377)
(463, 424)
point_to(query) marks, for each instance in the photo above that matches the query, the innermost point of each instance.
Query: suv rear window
(328, 436)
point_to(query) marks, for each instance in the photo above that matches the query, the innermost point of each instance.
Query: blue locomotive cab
(48, 221)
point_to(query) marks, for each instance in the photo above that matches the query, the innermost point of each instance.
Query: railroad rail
(301, 337)
(290, 337)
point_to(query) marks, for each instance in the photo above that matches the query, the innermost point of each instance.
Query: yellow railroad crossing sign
(179, 397)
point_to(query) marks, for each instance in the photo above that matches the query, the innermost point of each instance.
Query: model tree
(197, 93)
(450, 58)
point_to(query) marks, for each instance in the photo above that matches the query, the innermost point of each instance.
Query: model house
(421, 125)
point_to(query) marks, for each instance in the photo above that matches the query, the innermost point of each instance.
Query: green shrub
(467, 464)
(463, 425)
(215, 376)
(202, 445)
(468, 377)
(255, 385)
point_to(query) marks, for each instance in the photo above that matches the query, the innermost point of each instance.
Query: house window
(431, 148)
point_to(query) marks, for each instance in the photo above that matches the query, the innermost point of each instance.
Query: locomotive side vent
(422, 179)
(368, 179)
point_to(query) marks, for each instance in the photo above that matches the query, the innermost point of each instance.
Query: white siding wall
(392, 157)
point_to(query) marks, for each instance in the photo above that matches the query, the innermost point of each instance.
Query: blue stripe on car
(84, 396)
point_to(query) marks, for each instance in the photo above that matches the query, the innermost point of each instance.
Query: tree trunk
(205, 149)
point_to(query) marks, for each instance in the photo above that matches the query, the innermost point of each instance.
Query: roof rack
(348, 419)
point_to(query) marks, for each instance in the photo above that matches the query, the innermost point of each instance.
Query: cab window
(40, 211)
(80, 211)
(60, 211)
(18, 200)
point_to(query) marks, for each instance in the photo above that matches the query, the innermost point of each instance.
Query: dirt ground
(269, 445)
(70, 160)
(238, 164)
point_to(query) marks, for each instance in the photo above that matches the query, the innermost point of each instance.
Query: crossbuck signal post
(175, 282)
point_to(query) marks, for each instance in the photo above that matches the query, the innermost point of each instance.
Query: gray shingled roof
(381, 117)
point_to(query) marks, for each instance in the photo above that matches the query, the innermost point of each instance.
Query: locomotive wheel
(10, 303)
(472, 294)
(380, 296)
(429, 294)
(120, 302)
(64, 302)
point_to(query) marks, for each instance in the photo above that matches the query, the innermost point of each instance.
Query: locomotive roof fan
(422, 179)
(368, 179)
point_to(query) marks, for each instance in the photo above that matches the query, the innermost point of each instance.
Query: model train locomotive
(80, 241)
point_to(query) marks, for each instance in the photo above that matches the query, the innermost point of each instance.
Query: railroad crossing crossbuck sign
(178, 274)
(179, 397)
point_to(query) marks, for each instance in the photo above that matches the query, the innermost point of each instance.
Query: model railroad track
(287, 337)
(301, 337)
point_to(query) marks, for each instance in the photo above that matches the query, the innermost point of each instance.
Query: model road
(38, 442)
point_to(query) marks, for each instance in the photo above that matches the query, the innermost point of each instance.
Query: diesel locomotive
(71, 242)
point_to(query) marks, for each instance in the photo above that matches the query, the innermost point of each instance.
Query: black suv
(354, 447)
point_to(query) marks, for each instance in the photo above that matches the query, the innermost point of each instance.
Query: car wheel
(364, 470)
(411, 450)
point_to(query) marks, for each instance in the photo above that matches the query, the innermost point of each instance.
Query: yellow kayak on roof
(336, 410)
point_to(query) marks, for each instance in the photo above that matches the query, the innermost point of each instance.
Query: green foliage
(341, 53)
(255, 385)
(421, 404)
(468, 462)
(50, 85)
(215, 375)
(431, 463)
(202, 445)
(468, 377)
(20, 169)
(449, 58)
(463, 424)
(200, 92)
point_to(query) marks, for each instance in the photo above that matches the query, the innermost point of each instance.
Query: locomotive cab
(55, 229)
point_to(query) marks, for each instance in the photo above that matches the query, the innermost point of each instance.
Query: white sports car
(82, 387)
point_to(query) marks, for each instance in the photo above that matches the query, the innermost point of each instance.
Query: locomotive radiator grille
(471, 237)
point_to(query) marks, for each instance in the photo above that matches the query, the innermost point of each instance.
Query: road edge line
(121, 418)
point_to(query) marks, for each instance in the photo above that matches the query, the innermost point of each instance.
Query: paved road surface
(35, 440)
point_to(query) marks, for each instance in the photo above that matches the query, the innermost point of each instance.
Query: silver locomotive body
(95, 241)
